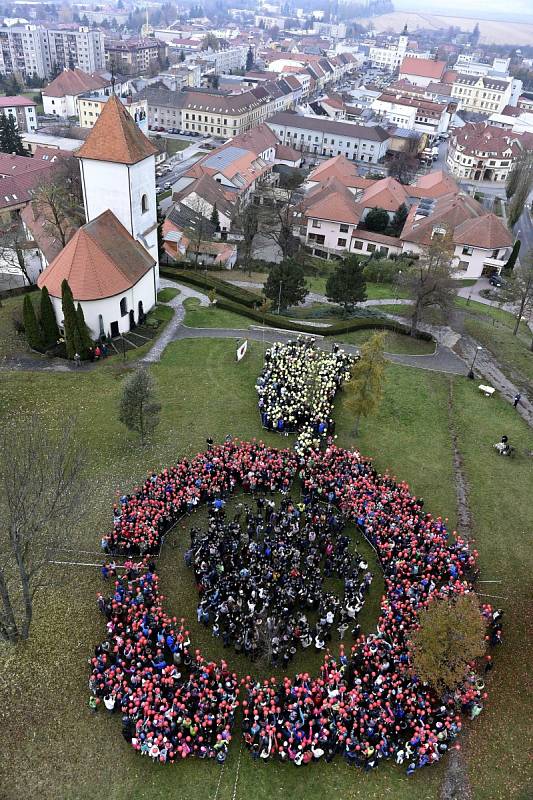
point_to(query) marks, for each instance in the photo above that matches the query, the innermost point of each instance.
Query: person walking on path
(517, 398)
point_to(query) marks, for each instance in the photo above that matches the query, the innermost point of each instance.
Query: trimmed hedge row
(18, 291)
(228, 301)
(222, 288)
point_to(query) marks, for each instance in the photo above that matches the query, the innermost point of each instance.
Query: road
(524, 231)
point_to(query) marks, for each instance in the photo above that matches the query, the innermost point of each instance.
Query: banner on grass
(241, 350)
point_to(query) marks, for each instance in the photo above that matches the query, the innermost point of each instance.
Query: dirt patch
(456, 785)
(464, 517)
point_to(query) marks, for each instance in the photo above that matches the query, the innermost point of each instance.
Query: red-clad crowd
(366, 705)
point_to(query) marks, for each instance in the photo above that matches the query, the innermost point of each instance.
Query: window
(468, 251)
(144, 203)
(341, 242)
(344, 228)
(315, 223)
(123, 307)
(371, 247)
(462, 265)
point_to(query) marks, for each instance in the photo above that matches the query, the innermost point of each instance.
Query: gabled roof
(212, 192)
(386, 193)
(74, 82)
(487, 231)
(341, 168)
(116, 137)
(423, 68)
(434, 184)
(16, 101)
(332, 201)
(101, 260)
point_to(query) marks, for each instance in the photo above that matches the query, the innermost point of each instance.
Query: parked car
(167, 185)
(496, 280)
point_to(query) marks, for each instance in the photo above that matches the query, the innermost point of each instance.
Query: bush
(223, 288)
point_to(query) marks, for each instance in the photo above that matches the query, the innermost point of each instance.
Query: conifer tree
(347, 286)
(365, 387)
(10, 141)
(84, 333)
(31, 326)
(215, 219)
(70, 321)
(48, 319)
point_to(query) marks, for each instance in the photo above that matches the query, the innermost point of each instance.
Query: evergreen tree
(48, 319)
(347, 286)
(285, 284)
(31, 326)
(377, 220)
(365, 388)
(70, 321)
(182, 55)
(10, 141)
(139, 410)
(511, 261)
(249, 59)
(215, 218)
(398, 220)
(83, 330)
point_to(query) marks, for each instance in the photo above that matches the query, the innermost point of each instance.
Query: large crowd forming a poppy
(366, 704)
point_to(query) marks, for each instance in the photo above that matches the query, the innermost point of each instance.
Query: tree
(70, 321)
(377, 220)
(13, 247)
(59, 201)
(247, 221)
(249, 59)
(429, 281)
(511, 261)
(215, 220)
(347, 286)
(48, 319)
(10, 140)
(519, 200)
(365, 387)
(277, 221)
(518, 290)
(285, 285)
(40, 498)
(31, 326)
(182, 55)
(84, 333)
(139, 410)
(404, 166)
(398, 220)
(450, 636)
(210, 42)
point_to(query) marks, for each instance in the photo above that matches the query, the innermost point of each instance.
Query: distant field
(492, 31)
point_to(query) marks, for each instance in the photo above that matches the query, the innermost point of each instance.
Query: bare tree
(403, 167)
(518, 290)
(247, 220)
(40, 495)
(278, 220)
(14, 248)
(429, 281)
(58, 199)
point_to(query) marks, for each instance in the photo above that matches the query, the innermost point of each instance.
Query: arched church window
(144, 203)
(123, 307)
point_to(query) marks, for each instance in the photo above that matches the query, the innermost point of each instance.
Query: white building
(111, 263)
(60, 97)
(33, 49)
(22, 109)
(391, 55)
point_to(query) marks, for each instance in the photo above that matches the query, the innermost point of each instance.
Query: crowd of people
(173, 704)
(261, 579)
(297, 387)
(366, 705)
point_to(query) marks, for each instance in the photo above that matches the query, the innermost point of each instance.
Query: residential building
(134, 56)
(187, 236)
(327, 137)
(482, 94)
(390, 55)
(227, 59)
(91, 105)
(483, 152)
(60, 97)
(415, 113)
(40, 140)
(22, 110)
(421, 71)
(35, 50)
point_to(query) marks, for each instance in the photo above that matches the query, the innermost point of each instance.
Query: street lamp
(471, 371)
(398, 284)
(279, 297)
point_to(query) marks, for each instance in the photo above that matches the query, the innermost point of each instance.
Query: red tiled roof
(116, 137)
(487, 231)
(101, 260)
(74, 82)
(386, 193)
(423, 68)
(16, 100)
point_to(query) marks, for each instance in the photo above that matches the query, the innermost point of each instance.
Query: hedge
(5, 294)
(228, 300)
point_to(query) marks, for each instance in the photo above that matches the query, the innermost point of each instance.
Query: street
(524, 231)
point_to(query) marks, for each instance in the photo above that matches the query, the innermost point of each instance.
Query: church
(111, 263)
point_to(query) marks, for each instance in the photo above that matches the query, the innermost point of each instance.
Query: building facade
(23, 111)
(483, 152)
(134, 56)
(34, 50)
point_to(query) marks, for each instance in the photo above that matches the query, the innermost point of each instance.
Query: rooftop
(116, 137)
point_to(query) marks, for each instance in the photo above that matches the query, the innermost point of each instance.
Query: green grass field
(198, 316)
(167, 294)
(51, 741)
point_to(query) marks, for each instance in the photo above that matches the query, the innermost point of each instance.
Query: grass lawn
(167, 294)
(175, 145)
(513, 352)
(394, 342)
(53, 743)
(198, 316)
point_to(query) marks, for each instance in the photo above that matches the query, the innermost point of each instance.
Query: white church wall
(109, 307)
